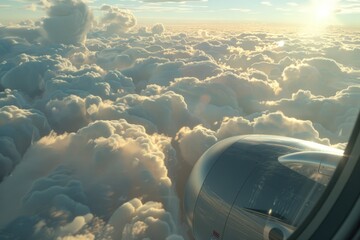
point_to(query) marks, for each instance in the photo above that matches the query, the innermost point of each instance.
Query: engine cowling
(256, 186)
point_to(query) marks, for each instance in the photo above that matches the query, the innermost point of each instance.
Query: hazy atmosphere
(105, 106)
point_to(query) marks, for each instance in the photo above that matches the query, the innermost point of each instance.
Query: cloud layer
(101, 121)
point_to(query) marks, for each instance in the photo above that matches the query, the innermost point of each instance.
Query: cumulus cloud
(208, 100)
(186, 137)
(137, 220)
(169, 0)
(116, 20)
(162, 72)
(168, 112)
(194, 142)
(320, 111)
(25, 34)
(100, 126)
(12, 97)
(158, 29)
(68, 21)
(27, 77)
(19, 128)
(92, 171)
(266, 3)
(319, 75)
(345, 54)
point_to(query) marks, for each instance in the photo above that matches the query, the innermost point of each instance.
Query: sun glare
(324, 10)
(281, 43)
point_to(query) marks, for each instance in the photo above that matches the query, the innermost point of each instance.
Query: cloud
(158, 1)
(28, 33)
(243, 10)
(247, 91)
(158, 29)
(208, 100)
(194, 142)
(12, 97)
(215, 49)
(186, 137)
(350, 56)
(266, 3)
(19, 128)
(319, 110)
(31, 7)
(277, 123)
(26, 77)
(168, 111)
(136, 220)
(319, 75)
(67, 114)
(292, 4)
(349, 8)
(67, 21)
(112, 162)
(28, 73)
(119, 58)
(117, 20)
(100, 126)
(57, 203)
(162, 72)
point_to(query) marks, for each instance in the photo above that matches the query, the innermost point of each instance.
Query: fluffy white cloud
(28, 33)
(275, 123)
(208, 100)
(168, 112)
(19, 128)
(12, 97)
(117, 20)
(27, 77)
(68, 21)
(28, 74)
(194, 142)
(67, 114)
(162, 72)
(92, 171)
(169, 0)
(319, 75)
(321, 111)
(137, 220)
(100, 127)
(215, 49)
(87, 81)
(347, 54)
(158, 29)
(279, 124)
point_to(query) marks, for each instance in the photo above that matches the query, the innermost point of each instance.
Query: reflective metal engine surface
(256, 186)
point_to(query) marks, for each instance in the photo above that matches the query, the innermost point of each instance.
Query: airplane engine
(256, 187)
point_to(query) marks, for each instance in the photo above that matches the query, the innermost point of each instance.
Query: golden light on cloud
(281, 43)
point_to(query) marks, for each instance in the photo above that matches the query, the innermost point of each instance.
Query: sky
(302, 12)
(102, 116)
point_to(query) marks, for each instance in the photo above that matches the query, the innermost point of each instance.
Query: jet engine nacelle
(256, 186)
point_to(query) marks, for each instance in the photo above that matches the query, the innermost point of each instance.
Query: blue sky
(344, 12)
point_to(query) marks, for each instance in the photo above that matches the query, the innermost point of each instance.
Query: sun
(320, 15)
(324, 10)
